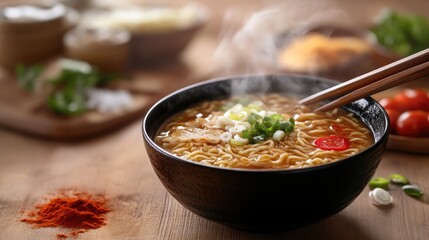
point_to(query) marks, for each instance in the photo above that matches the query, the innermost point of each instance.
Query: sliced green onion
(261, 126)
(279, 135)
(239, 141)
(380, 196)
(412, 190)
(237, 115)
(379, 182)
(398, 179)
(258, 138)
(265, 127)
(225, 136)
(253, 106)
(254, 118)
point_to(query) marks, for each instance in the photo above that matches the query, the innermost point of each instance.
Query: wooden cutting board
(28, 113)
(24, 112)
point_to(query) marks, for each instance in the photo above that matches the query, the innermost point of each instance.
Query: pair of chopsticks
(399, 72)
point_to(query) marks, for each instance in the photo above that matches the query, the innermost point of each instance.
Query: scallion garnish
(398, 179)
(263, 128)
(379, 182)
(412, 190)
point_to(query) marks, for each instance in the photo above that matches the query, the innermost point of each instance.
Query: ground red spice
(79, 211)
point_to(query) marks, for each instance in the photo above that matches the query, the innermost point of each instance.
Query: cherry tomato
(333, 142)
(393, 118)
(413, 99)
(413, 124)
(392, 103)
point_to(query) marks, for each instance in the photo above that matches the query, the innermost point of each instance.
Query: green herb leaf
(68, 96)
(27, 76)
(67, 102)
(404, 34)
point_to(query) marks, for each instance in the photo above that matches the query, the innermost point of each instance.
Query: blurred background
(77, 77)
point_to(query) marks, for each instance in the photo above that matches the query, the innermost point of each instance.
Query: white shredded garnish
(105, 101)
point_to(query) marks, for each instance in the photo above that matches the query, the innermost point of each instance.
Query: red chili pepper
(333, 142)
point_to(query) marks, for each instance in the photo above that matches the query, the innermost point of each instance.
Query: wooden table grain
(116, 164)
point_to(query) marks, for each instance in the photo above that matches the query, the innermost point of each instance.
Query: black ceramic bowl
(263, 200)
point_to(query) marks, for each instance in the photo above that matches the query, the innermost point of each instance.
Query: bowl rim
(342, 161)
(203, 15)
(34, 4)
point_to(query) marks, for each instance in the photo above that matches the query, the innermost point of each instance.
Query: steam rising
(252, 47)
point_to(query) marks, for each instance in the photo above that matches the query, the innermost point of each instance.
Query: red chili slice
(333, 142)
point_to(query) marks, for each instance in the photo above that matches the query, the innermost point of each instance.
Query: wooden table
(116, 164)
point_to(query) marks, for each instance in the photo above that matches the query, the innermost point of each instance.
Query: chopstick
(366, 80)
(402, 77)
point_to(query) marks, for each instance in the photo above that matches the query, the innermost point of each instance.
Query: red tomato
(333, 142)
(392, 103)
(393, 118)
(413, 124)
(413, 99)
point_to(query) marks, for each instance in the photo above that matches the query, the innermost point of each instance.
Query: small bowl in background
(106, 49)
(26, 40)
(263, 200)
(331, 51)
(158, 33)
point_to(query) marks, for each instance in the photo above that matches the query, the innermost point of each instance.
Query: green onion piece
(279, 135)
(379, 182)
(412, 190)
(236, 142)
(254, 118)
(398, 179)
(276, 117)
(263, 128)
(380, 196)
(253, 107)
(258, 138)
(236, 116)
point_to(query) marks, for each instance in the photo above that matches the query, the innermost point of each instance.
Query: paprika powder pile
(79, 211)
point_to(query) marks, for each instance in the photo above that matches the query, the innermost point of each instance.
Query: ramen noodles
(263, 132)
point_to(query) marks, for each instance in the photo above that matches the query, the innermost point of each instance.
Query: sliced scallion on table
(398, 179)
(380, 196)
(412, 190)
(379, 182)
